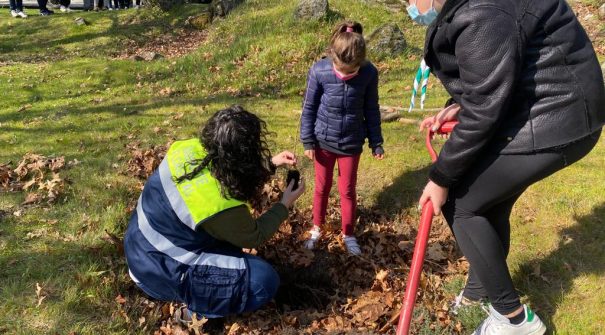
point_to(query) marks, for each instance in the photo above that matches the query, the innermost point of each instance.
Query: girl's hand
(436, 194)
(378, 152)
(449, 113)
(284, 158)
(310, 154)
(290, 196)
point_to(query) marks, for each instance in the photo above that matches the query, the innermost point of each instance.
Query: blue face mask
(425, 19)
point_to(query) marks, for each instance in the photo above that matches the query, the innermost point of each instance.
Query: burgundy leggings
(347, 182)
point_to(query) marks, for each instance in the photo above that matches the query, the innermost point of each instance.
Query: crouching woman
(184, 241)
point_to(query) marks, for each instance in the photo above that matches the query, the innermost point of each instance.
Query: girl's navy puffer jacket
(341, 113)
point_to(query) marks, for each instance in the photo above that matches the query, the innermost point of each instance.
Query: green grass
(84, 104)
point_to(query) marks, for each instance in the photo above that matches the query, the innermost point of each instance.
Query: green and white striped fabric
(421, 80)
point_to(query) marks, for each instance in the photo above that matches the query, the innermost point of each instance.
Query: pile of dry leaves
(325, 290)
(170, 45)
(36, 174)
(143, 161)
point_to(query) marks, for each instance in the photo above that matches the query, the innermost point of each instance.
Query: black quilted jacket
(524, 72)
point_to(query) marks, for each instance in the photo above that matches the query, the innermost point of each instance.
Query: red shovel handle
(446, 128)
(409, 299)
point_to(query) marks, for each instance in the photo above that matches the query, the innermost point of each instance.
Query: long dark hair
(237, 153)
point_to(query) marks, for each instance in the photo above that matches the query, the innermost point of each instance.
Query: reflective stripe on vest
(195, 200)
(165, 246)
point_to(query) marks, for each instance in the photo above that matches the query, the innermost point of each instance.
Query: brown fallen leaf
(120, 299)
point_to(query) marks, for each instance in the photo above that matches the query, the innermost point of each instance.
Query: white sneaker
(110, 8)
(351, 244)
(65, 9)
(315, 235)
(14, 13)
(21, 14)
(498, 324)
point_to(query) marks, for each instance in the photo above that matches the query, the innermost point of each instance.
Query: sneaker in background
(14, 13)
(498, 324)
(46, 12)
(21, 14)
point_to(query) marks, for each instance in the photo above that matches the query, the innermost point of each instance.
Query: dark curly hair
(237, 153)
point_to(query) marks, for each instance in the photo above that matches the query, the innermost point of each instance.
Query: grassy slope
(86, 106)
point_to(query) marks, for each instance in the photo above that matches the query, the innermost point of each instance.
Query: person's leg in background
(44, 11)
(13, 8)
(65, 5)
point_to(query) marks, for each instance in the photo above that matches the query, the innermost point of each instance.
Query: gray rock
(223, 7)
(386, 41)
(146, 56)
(80, 21)
(201, 21)
(312, 10)
(602, 12)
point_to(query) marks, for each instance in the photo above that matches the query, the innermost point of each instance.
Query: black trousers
(16, 5)
(42, 5)
(478, 212)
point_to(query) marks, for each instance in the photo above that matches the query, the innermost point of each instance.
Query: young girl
(339, 111)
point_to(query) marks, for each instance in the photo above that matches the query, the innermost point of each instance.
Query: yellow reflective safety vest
(201, 195)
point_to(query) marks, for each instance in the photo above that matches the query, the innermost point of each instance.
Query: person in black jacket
(528, 93)
(340, 110)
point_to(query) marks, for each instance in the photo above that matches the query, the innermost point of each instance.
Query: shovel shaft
(409, 299)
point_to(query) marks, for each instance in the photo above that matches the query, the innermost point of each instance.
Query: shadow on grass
(546, 281)
(133, 27)
(402, 194)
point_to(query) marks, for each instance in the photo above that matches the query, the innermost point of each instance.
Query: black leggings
(478, 211)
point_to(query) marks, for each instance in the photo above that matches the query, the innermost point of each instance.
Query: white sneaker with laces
(351, 244)
(315, 235)
(14, 13)
(65, 9)
(498, 324)
(21, 14)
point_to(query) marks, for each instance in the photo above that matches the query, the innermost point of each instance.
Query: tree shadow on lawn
(133, 27)
(546, 281)
(403, 194)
